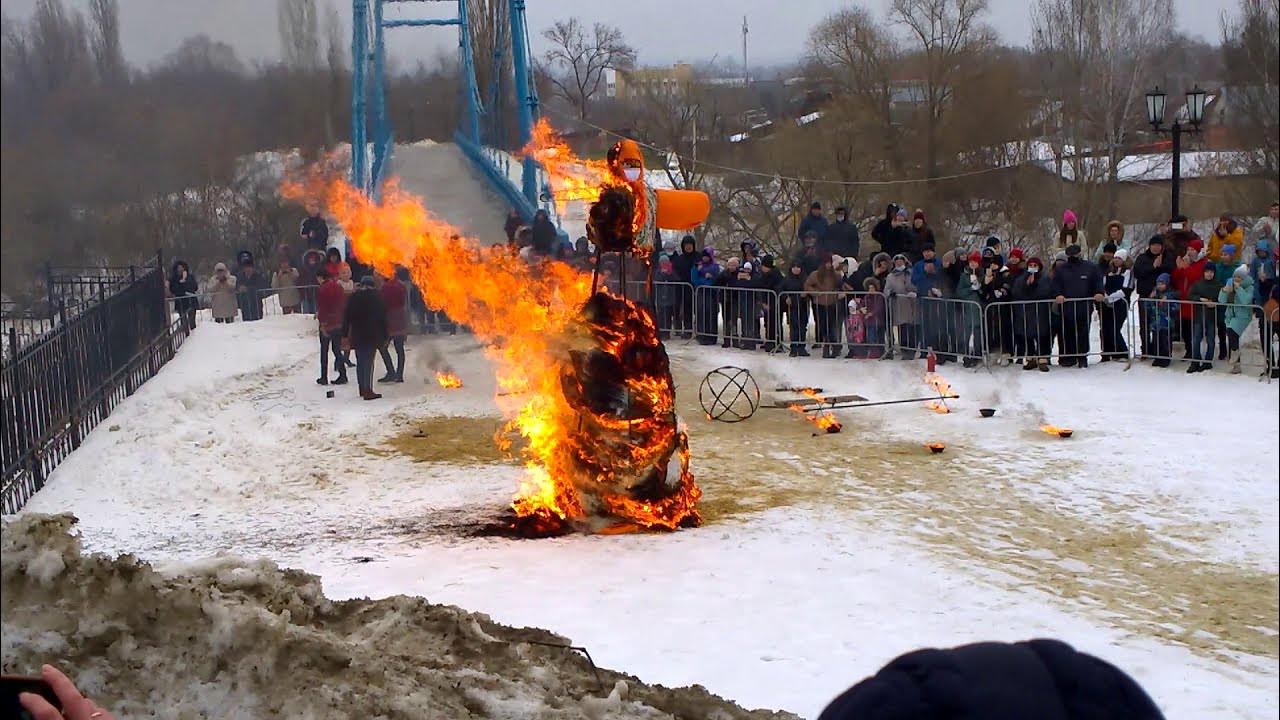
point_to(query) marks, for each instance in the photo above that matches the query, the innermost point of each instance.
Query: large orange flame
(527, 315)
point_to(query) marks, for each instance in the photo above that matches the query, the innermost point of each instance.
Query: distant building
(642, 82)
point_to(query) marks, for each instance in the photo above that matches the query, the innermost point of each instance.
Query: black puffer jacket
(1033, 680)
(365, 322)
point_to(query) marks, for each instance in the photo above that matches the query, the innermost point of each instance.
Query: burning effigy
(582, 374)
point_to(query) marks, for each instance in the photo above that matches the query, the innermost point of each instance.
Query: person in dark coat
(511, 225)
(921, 235)
(314, 230)
(666, 296)
(770, 279)
(841, 237)
(395, 297)
(1039, 679)
(364, 325)
(880, 233)
(682, 265)
(1077, 280)
(705, 274)
(897, 241)
(1032, 326)
(543, 234)
(1150, 265)
(183, 288)
(308, 278)
(808, 254)
(331, 306)
(795, 305)
(251, 286)
(815, 222)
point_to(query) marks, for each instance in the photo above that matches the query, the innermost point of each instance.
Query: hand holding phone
(52, 696)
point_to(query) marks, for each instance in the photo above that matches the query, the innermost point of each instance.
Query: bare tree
(107, 55)
(578, 62)
(1099, 54)
(297, 21)
(490, 24)
(948, 34)
(1252, 60)
(858, 55)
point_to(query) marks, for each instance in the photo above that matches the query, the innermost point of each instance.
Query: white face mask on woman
(632, 174)
(1033, 269)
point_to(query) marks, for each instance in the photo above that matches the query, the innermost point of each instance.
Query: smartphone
(13, 685)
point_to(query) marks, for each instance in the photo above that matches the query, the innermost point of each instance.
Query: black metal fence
(99, 349)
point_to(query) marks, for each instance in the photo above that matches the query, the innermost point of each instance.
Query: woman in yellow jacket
(1227, 233)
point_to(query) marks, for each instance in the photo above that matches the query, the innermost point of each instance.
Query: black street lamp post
(1194, 116)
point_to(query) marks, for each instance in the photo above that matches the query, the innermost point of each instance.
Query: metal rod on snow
(845, 406)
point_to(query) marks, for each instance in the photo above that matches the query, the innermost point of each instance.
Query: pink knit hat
(1069, 217)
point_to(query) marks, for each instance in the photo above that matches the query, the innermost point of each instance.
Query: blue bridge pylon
(371, 128)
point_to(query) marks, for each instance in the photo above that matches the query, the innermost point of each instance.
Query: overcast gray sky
(662, 31)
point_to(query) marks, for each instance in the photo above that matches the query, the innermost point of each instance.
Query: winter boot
(1043, 364)
(1029, 365)
(389, 377)
(369, 395)
(322, 380)
(340, 380)
(802, 352)
(970, 362)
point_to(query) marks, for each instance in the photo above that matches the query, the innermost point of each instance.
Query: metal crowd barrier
(1199, 328)
(833, 321)
(949, 327)
(744, 318)
(1074, 331)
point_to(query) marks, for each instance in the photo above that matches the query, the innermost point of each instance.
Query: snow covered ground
(1150, 538)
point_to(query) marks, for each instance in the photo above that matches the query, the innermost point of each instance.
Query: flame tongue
(943, 388)
(448, 380)
(825, 420)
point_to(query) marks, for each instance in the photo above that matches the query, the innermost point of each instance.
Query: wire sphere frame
(735, 380)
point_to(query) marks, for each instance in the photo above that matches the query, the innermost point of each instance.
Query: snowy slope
(1150, 538)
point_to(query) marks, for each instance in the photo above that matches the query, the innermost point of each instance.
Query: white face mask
(632, 174)
(1033, 269)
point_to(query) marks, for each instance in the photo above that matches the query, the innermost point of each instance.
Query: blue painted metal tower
(371, 128)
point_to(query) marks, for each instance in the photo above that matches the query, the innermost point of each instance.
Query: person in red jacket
(395, 296)
(1188, 270)
(331, 305)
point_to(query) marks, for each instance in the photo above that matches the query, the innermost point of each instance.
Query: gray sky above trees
(662, 31)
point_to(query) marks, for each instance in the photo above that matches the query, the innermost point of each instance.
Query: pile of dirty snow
(231, 638)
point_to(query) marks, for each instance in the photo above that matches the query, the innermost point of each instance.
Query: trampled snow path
(1150, 538)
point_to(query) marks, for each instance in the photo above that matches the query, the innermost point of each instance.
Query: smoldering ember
(461, 360)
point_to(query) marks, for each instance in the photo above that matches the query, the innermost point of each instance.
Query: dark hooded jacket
(1032, 680)
(1146, 269)
(1078, 279)
(683, 263)
(364, 322)
(841, 238)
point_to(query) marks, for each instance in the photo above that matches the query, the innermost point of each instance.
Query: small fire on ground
(822, 418)
(1055, 430)
(448, 380)
(943, 388)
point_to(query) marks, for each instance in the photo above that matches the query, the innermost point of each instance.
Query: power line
(776, 176)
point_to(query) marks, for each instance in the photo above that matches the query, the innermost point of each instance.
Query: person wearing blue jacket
(933, 314)
(1162, 313)
(705, 274)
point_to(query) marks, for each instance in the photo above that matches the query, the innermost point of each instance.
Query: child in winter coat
(1234, 299)
(1162, 314)
(873, 318)
(1204, 319)
(666, 295)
